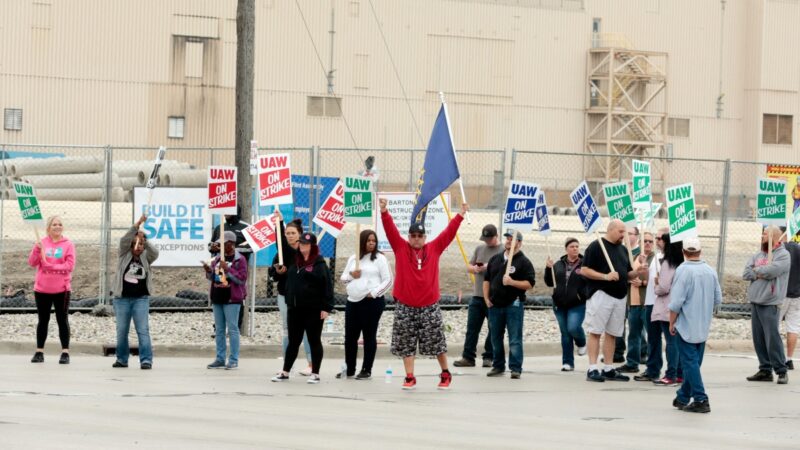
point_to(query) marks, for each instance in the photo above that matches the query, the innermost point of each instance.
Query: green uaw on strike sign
(771, 203)
(28, 205)
(618, 202)
(681, 211)
(359, 200)
(641, 183)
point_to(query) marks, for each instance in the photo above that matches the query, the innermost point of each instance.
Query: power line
(325, 74)
(396, 73)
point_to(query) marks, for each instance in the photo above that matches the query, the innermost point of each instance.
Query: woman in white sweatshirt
(365, 303)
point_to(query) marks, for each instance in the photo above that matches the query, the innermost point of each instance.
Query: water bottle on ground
(329, 325)
(344, 370)
(389, 375)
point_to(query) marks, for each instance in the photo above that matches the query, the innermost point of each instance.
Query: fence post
(723, 222)
(412, 180)
(2, 215)
(105, 226)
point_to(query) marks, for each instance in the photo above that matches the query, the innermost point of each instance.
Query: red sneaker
(445, 378)
(679, 380)
(410, 383)
(665, 382)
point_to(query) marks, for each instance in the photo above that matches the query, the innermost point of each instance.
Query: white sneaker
(313, 379)
(566, 368)
(581, 350)
(305, 372)
(281, 376)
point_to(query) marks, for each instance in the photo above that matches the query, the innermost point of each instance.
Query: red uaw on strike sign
(260, 235)
(330, 217)
(274, 179)
(222, 189)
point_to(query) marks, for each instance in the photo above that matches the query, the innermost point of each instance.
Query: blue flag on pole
(440, 169)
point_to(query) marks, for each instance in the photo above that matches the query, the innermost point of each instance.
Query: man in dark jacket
(504, 292)
(569, 304)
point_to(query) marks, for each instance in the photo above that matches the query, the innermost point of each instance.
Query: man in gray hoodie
(768, 283)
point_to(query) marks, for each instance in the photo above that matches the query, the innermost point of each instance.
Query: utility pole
(245, 59)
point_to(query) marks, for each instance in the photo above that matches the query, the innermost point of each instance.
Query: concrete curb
(331, 350)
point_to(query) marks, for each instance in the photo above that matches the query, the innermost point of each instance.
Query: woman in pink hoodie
(54, 260)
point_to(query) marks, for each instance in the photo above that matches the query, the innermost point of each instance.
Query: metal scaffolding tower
(626, 107)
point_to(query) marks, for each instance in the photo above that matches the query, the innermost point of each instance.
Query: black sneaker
(679, 404)
(118, 365)
(783, 378)
(464, 362)
(363, 375)
(619, 359)
(761, 375)
(495, 372)
(627, 369)
(488, 362)
(790, 365)
(515, 375)
(339, 376)
(594, 375)
(38, 357)
(698, 407)
(64, 359)
(644, 377)
(217, 364)
(146, 366)
(614, 375)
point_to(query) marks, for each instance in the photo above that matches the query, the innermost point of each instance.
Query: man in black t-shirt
(504, 295)
(607, 290)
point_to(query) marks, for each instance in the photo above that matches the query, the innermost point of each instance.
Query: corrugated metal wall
(96, 72)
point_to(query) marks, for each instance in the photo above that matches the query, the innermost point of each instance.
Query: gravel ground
(194, 328)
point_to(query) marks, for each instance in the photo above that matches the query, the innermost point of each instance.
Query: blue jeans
(570, 322)
(674, 369)
(138, 309)
(691, 360)
(636, 327)
(654, 359)
(476, 314)
(499, 318)
(285, 321)
(227, 316)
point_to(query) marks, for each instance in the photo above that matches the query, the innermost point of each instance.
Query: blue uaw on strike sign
(521, 206)
(586, 207)
(542, 217)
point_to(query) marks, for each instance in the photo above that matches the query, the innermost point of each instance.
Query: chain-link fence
(93, 189)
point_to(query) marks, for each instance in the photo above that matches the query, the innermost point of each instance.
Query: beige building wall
(513, 71)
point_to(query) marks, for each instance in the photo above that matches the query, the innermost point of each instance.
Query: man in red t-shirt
(417, 318)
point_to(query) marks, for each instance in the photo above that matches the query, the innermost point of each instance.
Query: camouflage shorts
(418, 327)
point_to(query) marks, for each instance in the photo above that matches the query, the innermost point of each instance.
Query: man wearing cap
(417, 318)
(694, 293)
(769, 281)
(505, 297)
(478, 310)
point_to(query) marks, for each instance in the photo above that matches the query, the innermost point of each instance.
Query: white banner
(178, 224)
(400, 205)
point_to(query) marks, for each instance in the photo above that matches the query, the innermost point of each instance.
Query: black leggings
(304, 320)
(59, 302)
(362, 317)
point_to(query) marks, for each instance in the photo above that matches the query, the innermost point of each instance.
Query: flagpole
(458, 239)
(450, 132)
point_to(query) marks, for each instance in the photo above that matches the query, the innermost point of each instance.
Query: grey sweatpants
(767, 341)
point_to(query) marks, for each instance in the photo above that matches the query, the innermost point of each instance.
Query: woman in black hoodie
(569, 304)
(309, 298)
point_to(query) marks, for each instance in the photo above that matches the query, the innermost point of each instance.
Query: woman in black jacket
(569, 304)
(289, 234)
(309, 298)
